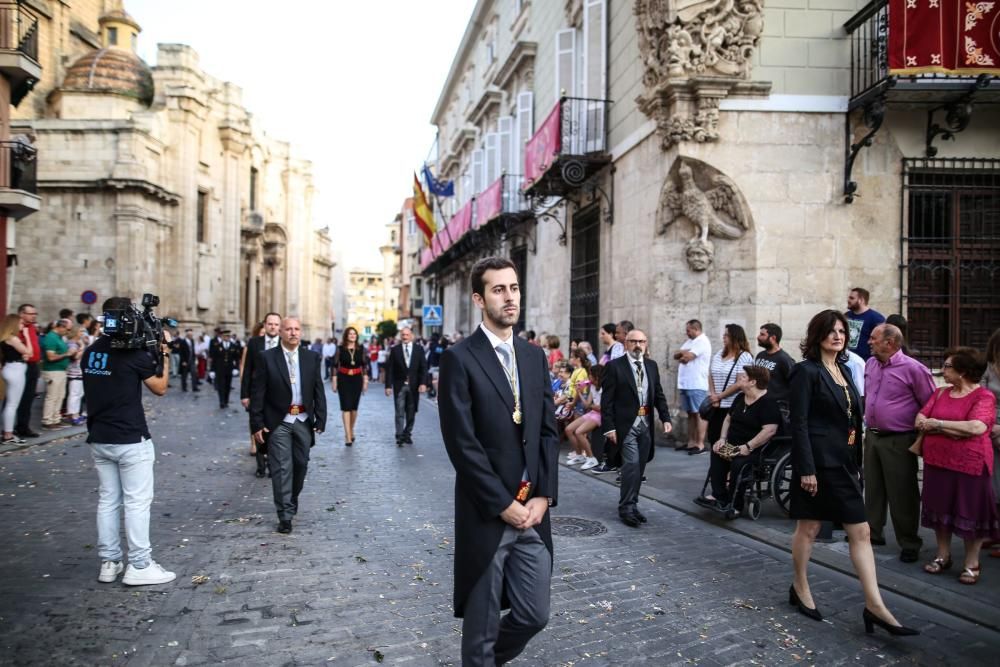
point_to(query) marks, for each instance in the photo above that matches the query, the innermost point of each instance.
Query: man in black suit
(253, 348)
(405, 369)
(188, 366)
(498, 425)
(224, 357)
(629, 392)
(287, 410)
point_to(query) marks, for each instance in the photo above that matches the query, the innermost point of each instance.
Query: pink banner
(426, 257)
(542, 149)
(489, 203)
(461, 222)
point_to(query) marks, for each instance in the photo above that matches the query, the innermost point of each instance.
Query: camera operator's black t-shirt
(112, 385)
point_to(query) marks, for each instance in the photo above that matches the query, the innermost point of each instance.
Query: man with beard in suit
(498, 425)
(405, 370)
(268, 339)
(629, 392)
(287, 410)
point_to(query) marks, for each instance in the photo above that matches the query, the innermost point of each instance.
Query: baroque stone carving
(694, 53)
(710, 200)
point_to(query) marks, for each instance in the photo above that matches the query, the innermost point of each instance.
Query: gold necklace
(351, 351)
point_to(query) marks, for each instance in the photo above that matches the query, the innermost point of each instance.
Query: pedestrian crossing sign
(432, 316)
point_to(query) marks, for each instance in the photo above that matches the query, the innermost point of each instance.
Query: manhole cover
(573, 526)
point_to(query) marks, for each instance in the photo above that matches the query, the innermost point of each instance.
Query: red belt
(349, 371)
(296, 409)
(643, 411)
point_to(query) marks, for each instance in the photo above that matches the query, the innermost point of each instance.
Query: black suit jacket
(396, 372)
(819, 420)
(253, 349)
(620, 398)
(489, 451)
(271, 391)
(224, 360)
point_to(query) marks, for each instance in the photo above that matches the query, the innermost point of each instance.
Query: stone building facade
(158, 180)
(683, 160)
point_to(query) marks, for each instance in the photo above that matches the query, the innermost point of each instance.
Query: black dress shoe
(408, 440)
(640, 516)
(909, 555)
(28, 434)
(871, 620)
(630, 520)
(793, 599)
(285, 527)
(260, 473)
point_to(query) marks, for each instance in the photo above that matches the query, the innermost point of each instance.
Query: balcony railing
(503, 197)
(18, 165)
(19, 31)
(869, 32)
(569, 145)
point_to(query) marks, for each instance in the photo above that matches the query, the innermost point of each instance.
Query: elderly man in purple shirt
(896, 387)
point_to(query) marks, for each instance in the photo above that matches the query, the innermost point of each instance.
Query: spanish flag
(425, 218)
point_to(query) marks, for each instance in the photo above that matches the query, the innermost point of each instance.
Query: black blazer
(224, 360)
(396, 372)
(254, 347)
(620, 398)
(489, 451)
(819, 419)
(271, 391)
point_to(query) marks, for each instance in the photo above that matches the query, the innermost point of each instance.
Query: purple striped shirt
(895, 391)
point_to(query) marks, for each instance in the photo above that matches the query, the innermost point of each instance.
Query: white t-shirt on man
(694, 374)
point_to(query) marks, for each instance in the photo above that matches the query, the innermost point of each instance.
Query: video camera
(134, 329)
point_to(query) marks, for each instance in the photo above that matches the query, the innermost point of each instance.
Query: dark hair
(862, 292)
(82, 317)
(116, 303)
(993, 349)
(484, 265)
(530, 333)
(278, 315)
(897, 321)
(582, 356)
(610, 328)
(258, 329)
(819, 328)
(760, 375)
(626, 325)
(552, 342)
(20, 309)
(596, 375)
(344, 341)
(737, 339)
(967, 362)
(694, 323)
(772, 329)
(65, 313)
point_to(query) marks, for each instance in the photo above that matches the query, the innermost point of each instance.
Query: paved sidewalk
(366, 575)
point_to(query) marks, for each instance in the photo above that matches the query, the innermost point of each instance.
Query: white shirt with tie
(271, 341)
(295, 380)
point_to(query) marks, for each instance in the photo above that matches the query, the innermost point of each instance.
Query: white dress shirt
(292, 364)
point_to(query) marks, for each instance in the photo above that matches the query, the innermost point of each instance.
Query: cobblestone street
(366, 575)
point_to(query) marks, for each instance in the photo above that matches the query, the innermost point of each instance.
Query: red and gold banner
(422, 211)
(543, 147)
(944, 37)
(489, 203)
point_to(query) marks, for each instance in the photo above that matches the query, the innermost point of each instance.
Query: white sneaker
(589, 463)
(579, 458)
(110, 569)
(571, 458)
(151, 574)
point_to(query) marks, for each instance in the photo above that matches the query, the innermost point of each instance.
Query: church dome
(113, 71)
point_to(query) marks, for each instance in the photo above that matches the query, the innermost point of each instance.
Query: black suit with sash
(490, 453)
(288, 444)
(821, 444)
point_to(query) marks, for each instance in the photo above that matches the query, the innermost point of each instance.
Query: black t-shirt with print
(780, 364)
(112, 385)
(746, 421)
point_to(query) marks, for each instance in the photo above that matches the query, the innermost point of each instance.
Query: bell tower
(118, 29)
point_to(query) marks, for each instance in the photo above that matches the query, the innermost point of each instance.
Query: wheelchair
(769, 475)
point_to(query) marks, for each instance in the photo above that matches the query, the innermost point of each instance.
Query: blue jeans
(691, 399)
(126, 478)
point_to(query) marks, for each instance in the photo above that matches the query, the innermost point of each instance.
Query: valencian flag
(422, 212)
(960, 37)
(438, 188)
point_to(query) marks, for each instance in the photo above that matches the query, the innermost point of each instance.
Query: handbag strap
(725, 385)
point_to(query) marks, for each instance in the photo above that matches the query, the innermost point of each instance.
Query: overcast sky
(352, 84)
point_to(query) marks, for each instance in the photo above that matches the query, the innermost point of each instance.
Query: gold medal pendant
(517, 415)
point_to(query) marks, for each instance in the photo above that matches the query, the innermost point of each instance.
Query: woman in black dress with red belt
(350, 380)
(826, 463)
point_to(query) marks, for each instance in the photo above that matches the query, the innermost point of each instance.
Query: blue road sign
(432, 316)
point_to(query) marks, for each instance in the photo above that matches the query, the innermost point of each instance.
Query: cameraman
(123, 451)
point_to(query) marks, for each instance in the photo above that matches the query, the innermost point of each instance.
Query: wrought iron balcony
(568, 148)
(19, 50)
(871, 79)
(18, 181)
(502, 201)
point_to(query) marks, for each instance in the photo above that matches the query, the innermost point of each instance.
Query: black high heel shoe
(793, 599)
(871, 620)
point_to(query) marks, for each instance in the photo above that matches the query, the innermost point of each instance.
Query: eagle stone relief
(710, 200)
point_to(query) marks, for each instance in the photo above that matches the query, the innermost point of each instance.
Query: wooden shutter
(525, 127)
(477, 172)
(492, 160)
(505, 156)
(565, 61)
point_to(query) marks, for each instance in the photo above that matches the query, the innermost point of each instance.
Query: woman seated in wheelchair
(751, 423)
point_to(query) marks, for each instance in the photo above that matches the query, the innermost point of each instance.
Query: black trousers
(23, 423)
(406, 411)
(223, 385)
(714, 429)
(288, 456)
(719, 469)
(187, 369)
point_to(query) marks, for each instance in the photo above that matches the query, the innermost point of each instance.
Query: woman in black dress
(826, 463)
(350, 380)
